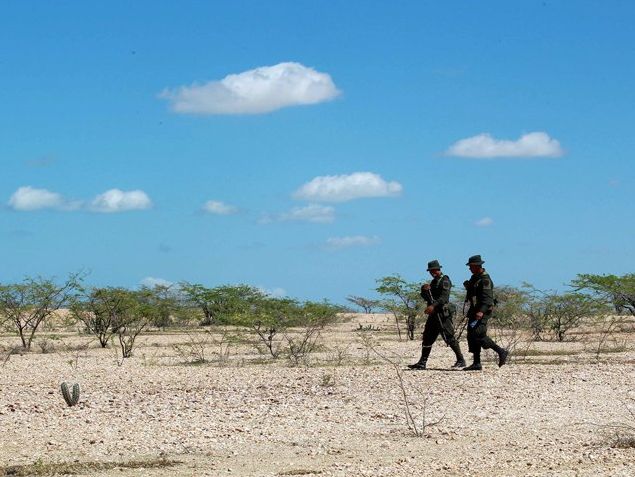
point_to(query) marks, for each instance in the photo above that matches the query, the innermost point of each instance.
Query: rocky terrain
(554, 411)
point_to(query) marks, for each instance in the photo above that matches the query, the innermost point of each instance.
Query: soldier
(437, 296)
(480, 294)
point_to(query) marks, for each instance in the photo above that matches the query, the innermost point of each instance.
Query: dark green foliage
(222, 304)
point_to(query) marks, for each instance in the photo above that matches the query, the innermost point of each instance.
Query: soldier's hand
(429, 309)
(466, 284)
(425, 287)
(479, 315)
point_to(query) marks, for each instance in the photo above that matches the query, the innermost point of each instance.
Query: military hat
(433, 265)
(475, 260)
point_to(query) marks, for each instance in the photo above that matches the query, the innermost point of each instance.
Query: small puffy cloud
(484, 222)
(484, 146)
(217, 207)
(336, 243)
(274, 292)
(311, 213)
(255, 91)
(116, 200)
(343, 188)
(29, 199)
(152, 282)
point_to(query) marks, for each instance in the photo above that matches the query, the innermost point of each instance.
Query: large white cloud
(29, 198)
(255, 91)
(343, 188)
(336, 243)
(311, 213)
(116, 200)
(217, 207)
(484, 146)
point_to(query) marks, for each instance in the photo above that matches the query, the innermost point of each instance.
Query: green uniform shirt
(439, 291)
(480, 293)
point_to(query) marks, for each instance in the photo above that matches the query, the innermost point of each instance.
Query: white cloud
(151, 282)
(274, 292)
(255, 91)
(29, 199)
(343, 188)
(217, 207)
(484, 222)
(484, 146)
(336, 243)
(116, 200)
(311, 213)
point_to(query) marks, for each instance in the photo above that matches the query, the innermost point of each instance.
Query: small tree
(312, 318)
(27, 305)
(114, 311)
(561, 312)
(220, 304)
(269, 317)
(365, 304)
(164, 300)
(101, 310)
(619, 291)
(402, 299)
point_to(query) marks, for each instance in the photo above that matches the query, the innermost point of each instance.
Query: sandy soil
(341, 416)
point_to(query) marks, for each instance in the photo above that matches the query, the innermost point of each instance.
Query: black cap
(433, 265)
(475, 260)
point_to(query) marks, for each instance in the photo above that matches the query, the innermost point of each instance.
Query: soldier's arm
(487, 295)
(426, 294)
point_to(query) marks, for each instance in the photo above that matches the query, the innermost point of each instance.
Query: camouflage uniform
(440, 320)
(480, 295)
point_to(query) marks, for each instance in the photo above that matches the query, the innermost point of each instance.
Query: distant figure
(480, 294)
(440, 315)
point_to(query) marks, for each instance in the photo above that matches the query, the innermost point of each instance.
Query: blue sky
(310, 148)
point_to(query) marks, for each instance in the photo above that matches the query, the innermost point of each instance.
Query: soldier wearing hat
(440, 315)
(480, 295)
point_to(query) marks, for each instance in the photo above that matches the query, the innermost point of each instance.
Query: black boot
(421, 365)
(460, 362)
(473, 367)
(476, 365)
(502, 357)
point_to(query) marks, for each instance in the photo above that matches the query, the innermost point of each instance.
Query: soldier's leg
(430, 334)
(474, 342)
(489, 343)
(452, 342)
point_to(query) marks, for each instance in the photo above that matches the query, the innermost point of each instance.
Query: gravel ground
(153, 415)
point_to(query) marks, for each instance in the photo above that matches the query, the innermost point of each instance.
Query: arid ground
(558, 409)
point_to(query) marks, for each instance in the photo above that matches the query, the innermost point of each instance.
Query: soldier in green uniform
(480, 294)
(440, 315)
